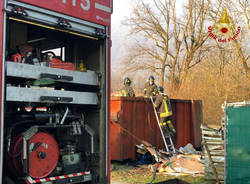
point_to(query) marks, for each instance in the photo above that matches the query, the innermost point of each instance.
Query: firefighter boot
(171, 127)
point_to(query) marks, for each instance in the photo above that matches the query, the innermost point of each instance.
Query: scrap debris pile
(213, 141)
(186, 162)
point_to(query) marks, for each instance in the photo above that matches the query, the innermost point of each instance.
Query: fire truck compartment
(56, 93)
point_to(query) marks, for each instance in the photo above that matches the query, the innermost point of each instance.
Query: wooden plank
(204, 127)
(216, 151)
(205, 136)
(213, 153)
(213, 143)
(211, 163)
(215, 147)
(216, 159)
(211, 138)
(217, 155)
(213, 133)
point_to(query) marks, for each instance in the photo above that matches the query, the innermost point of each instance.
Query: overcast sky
(122, 9)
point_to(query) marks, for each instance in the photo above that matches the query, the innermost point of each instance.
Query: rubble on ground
(189, 149)
(182, 163)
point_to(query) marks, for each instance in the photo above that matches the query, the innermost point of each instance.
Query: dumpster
(133, 120)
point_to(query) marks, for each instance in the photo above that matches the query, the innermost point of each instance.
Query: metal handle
(25, 156)
(56, 99)
(56, 77)
(37, 146)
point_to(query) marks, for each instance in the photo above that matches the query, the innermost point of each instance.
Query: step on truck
(55, 71)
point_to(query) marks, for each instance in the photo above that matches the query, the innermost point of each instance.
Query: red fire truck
(55, 71)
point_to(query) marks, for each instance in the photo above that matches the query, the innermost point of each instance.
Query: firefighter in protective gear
(127, 90)
(163, 103)
(150, 88)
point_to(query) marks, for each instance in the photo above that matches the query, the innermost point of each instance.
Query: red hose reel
(42, 158)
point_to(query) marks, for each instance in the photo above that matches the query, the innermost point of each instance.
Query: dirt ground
(129, 174)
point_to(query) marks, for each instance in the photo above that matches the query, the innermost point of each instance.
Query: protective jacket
(162, 101)
(127, 91)
(150, 90)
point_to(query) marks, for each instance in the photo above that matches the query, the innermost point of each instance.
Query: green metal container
(237, 144)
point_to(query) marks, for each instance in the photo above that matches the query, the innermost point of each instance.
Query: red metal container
(132, 120)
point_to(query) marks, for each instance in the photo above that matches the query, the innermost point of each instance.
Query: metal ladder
(164, 137)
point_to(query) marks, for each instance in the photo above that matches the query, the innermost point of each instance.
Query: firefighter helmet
(151, 78)
(127, 81)
(160, 89)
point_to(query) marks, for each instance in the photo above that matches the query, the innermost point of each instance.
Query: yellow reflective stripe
(53, 28)
(124, 93)
(168, 121)
(167, 112)
(163, 123)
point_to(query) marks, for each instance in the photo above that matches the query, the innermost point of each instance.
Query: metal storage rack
(38, 95)
(37, 72)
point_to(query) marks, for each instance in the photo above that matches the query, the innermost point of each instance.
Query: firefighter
(127, 90)
(163, 103)
(150, 88)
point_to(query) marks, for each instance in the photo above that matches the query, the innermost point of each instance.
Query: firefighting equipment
(167, 111)
(151, 80)
(81, 67)
(150, 88)
(16, 58)
(164, 130)
(163, 102)
(127, 81)
(160, 89)
(127, 91)
(171, 127)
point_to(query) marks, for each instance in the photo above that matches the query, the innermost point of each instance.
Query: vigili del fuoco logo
(223, 31)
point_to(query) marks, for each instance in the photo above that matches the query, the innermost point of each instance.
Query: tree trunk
(174, 83)
(188, 60)
(162, 75)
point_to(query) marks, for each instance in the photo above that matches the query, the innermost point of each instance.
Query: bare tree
(242, 7)
(150, 21)
(162, 37)
(196, 35)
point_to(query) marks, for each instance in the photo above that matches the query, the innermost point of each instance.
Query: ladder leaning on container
(164, 137)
